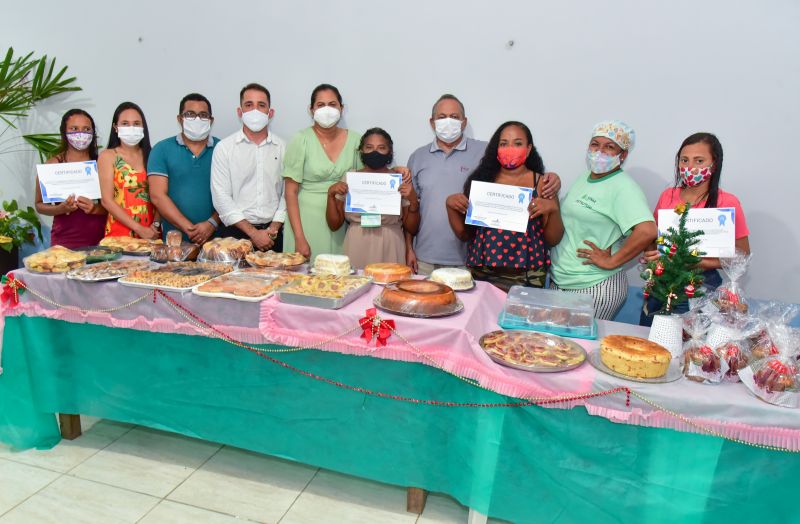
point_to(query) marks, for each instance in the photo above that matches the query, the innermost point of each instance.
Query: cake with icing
(458, 279)
(332, 264)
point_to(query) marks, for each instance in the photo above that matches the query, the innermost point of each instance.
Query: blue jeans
(711, 281)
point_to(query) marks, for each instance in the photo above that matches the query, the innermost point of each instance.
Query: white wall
(667, 68)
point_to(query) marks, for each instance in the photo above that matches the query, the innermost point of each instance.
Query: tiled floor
(121, 473)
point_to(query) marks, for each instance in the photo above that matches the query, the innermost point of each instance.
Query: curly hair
(489, 166)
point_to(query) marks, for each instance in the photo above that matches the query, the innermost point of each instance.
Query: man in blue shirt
(179, 173)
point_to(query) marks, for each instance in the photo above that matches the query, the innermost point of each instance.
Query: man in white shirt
(246, 182)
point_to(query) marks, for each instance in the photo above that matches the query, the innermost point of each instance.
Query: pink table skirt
(449, 343)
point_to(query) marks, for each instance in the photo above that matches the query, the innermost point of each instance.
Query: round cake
(418, 297)
(384, 272)
(458, 279)
(634, 356)
(332, 264)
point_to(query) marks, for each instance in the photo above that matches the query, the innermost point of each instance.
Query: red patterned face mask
(512, 157)
(694, 177)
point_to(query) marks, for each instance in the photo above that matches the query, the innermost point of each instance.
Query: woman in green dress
(316, 158)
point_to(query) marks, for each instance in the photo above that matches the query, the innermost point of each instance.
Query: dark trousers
(235, 232)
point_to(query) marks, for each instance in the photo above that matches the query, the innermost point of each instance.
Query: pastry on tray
(634, 356)
(418, 297)
(274, 259)
(130, 244)
(107, 270)
(243, 285)
(325, 286)
(56, 259)
(384, 272)
(178, 274)
(530, 349)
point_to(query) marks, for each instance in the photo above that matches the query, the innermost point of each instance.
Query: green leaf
(46, 144)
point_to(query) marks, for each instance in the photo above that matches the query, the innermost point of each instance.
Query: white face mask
(196, 129)
(327, 116)
(80, 140)
(447, 129)
(130, 135)
(255, 120)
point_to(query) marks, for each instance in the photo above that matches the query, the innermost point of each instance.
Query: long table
(406, 423)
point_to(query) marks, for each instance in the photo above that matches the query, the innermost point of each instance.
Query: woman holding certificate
(77, 221)
(123, 177)
(505, 257)
(698, 169)
(315, 159)
(374, 238)
(607, 223)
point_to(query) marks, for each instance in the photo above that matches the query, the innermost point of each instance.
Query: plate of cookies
(532, 351)
(175, 276)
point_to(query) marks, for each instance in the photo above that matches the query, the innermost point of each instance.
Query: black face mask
(375, 159)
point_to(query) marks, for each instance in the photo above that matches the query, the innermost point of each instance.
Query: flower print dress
(132, 194)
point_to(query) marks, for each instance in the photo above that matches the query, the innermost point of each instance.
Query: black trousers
(235, 232)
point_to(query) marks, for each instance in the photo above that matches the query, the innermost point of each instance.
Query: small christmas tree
(674, 277)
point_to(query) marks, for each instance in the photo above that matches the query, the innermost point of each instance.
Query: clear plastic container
(550, 311)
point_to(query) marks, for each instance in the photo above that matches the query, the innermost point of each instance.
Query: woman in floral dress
(123, 177)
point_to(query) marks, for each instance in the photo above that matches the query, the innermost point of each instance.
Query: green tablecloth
(523, 464)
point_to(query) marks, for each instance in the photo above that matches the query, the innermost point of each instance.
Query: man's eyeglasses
(191, 115)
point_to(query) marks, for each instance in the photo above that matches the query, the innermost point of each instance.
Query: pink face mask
(512, 157)
(694, 177)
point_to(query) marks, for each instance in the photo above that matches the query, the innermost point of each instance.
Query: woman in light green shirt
(316, 158)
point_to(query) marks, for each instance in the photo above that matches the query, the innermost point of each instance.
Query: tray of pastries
(106, 270)
(227, 249)
(531, 351)
(130, 245)
(324, 291)
(289, 261)
(248, 287)
(100, 253)
(56, 259)
(418, 298)
(175, 276)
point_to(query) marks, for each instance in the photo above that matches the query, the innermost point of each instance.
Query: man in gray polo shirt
(438, 170)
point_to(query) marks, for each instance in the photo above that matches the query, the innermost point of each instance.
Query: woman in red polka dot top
(501, 257)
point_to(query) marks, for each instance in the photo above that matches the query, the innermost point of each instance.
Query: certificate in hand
(373, 193)
(717, 224)
(499, 206)
(59, 181)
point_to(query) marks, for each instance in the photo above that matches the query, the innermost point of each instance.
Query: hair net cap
(621, 133)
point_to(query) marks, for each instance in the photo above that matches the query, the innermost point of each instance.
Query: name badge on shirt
(370, 220)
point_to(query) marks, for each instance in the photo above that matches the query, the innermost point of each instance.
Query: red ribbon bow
(11, 290)
(375, 327)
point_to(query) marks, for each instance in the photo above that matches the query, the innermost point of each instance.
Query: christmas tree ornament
(674, 276)
(646, 294)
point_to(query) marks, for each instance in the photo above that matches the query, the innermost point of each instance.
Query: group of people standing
(250, 183)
